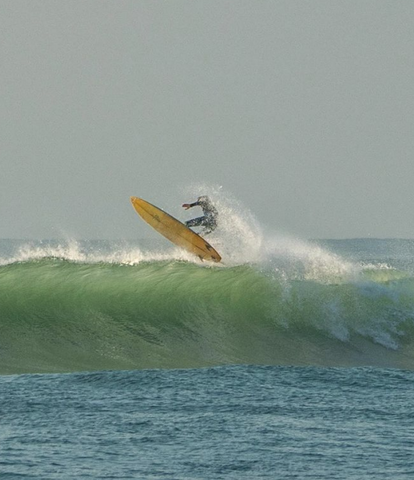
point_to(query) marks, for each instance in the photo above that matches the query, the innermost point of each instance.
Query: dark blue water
(238, 422)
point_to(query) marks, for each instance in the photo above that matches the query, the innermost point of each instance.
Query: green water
(62, 314)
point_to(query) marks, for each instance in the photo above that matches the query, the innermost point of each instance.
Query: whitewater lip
(60, 315)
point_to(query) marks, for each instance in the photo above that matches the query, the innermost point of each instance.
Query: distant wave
(64, 310)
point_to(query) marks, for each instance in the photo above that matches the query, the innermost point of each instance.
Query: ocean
(132, 359)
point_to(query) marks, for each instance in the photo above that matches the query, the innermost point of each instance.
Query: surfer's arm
(190, 205)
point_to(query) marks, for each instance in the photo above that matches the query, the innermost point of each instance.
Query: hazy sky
(302, 110)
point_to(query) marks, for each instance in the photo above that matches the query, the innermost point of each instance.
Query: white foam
(240, 239)
(305, 260)
(75, 251)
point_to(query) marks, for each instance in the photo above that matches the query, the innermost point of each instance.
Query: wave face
(72, 308)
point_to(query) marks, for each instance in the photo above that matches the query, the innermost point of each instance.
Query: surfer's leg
(195, 222)
(210, 225)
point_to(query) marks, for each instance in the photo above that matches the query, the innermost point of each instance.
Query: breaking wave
(65, 307)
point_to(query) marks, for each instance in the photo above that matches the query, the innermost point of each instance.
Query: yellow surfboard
(174, 230)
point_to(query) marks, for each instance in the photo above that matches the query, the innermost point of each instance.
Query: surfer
(208, 220)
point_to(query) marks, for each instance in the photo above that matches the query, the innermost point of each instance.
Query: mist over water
(93, 305)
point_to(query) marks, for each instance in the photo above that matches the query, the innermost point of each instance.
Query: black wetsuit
(209, 220)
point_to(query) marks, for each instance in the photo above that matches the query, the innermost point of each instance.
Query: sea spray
(239, 236)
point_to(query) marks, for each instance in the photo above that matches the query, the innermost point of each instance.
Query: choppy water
(188, 370)
(220, 423)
